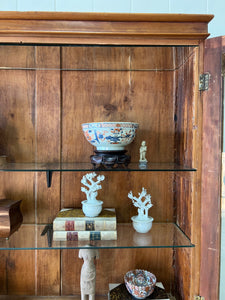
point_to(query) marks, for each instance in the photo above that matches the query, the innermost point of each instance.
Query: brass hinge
(204, 82)
(199, 298)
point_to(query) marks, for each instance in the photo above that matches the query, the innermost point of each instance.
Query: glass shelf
(74, 297)
(162, 235)
(63, 167)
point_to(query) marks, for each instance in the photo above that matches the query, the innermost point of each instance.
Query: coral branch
(93, 186)
(142, 205)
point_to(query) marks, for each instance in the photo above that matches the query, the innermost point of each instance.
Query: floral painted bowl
(140, 283)
(110, 136)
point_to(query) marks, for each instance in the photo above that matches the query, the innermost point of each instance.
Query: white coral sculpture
(143, 205)
(92, 186)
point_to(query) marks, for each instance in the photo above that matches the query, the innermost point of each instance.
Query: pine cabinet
(59, 70)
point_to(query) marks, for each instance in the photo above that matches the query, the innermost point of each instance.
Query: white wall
(216, 7)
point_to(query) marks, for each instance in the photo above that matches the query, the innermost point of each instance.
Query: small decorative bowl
(92, 209)
(110, 136)
(142, 225)
(140, 283)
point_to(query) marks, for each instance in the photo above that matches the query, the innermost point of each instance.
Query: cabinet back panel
(187, 152)
(16, 127)
(119, 96)
(183, 265)
(186, 109)
(112, 265)
(129, 84)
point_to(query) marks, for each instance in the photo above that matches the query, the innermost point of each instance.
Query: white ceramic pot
(92, 209)
(110, 136)
(142, 225)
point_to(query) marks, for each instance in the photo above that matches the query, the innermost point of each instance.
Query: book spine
(84, 235)
(84, 225)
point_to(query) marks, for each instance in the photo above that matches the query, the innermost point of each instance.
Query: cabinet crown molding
(103, 28)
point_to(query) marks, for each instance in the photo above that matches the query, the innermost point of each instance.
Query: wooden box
(10, 217)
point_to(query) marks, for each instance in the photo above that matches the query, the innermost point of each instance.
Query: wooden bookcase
(58, 70)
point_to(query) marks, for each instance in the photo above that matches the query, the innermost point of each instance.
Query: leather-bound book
(10, 217)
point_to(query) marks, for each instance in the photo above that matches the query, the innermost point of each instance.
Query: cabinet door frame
(211, 170)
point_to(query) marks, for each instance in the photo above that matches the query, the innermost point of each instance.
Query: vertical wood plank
(185, 110)
(48, 145)
(3, 272)
(211, 168)
(139, 96)
(187, 152)
(17, 135)
(20, 272)
(182, 278)
(183, 205)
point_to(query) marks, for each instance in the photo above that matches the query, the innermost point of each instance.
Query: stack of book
(72, 225)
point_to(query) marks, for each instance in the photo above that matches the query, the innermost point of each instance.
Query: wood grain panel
(90, 97)
(20, 272)
(96, 58)
(151, 101)
(17, 127)
(182, 271)
(154, 58)
(188, 152)
(48, 274)
(143, 97)
(183, 204)
(182, 55)
(71, 266)
(48, 145)
(211, 164)
(48, 133)
(17, 273)
(83, 16)
(185, 120)
(17, 142)
(3, 272)
(93, 28)
(17, 56)
(112, 265)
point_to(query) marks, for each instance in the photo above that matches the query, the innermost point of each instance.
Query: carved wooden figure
(88, 273)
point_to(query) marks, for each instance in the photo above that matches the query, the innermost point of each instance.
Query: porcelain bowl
(140, 283)
(110, 136)
(92, 209)
(142, 225)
